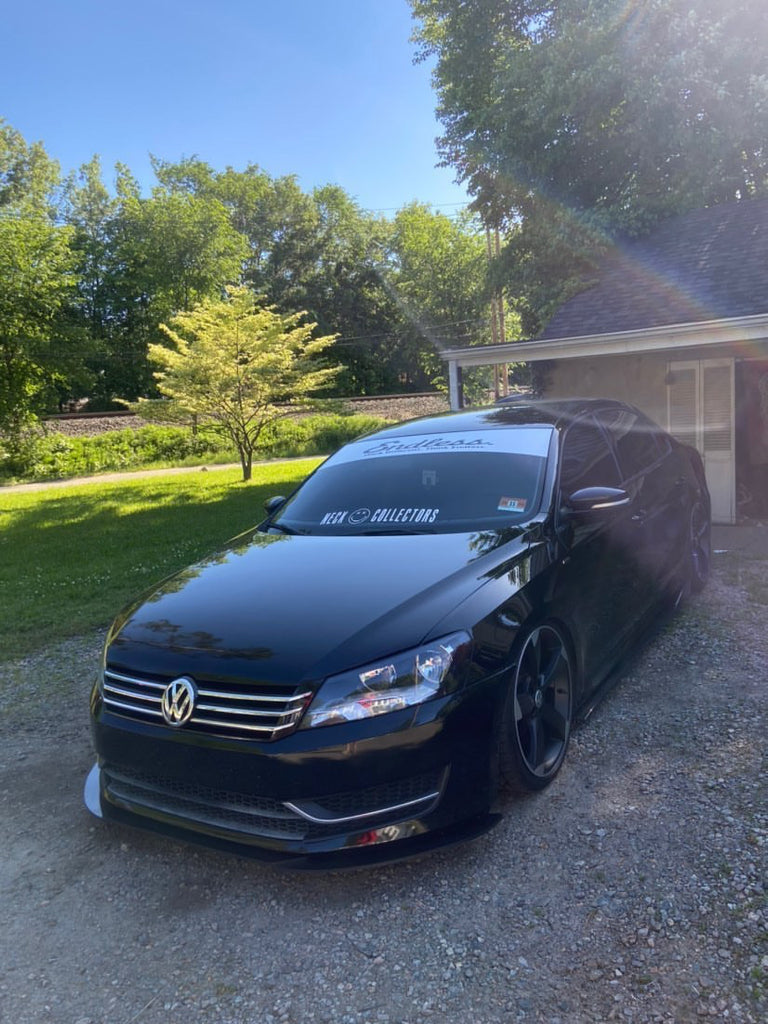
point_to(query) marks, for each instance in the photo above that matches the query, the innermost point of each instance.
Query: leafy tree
(316, 251)
(165, 253)
(344, 290)
(440, 282)
(275, 216)
(36, 280)
(90, 211)
(140, 261)
(241, 366)
(28, 176)
(580, 121)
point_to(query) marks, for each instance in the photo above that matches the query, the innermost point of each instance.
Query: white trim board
(653, 339)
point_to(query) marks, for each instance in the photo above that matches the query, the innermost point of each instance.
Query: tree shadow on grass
(71, 560)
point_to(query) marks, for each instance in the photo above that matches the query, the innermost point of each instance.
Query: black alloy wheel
(700, 547)
(537, 714)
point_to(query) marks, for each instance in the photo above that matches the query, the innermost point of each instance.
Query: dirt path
(102, 478)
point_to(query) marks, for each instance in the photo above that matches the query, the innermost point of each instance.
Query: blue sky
(324, 89)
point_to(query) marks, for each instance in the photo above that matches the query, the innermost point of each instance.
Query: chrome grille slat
(248, 712)
(132, 679)
(233, 725)
(226, 709)
(132, 693)
(132, 707)
(222, 695)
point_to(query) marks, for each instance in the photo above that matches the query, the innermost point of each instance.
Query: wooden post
(494, 320)
(455, 390)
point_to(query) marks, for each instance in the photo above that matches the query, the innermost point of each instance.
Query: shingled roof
(706, 265)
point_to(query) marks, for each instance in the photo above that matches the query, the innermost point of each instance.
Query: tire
(699, 547)
(536, 722)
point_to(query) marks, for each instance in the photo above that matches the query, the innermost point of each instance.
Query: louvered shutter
(717, 408)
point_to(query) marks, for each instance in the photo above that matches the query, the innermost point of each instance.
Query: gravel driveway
(634, 889)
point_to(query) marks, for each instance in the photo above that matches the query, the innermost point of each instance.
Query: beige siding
(635, 379)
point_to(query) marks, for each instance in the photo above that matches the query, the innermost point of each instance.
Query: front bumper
(417, 778)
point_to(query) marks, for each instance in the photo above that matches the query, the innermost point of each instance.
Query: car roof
(512, 412)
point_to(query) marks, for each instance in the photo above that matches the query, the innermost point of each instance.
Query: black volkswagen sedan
(418, 625)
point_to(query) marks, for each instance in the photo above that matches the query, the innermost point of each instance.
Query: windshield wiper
(281, 528)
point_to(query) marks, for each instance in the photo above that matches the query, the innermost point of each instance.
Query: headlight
(390, 684)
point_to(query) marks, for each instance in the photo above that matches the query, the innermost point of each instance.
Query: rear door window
(587, 459)
(636, 439)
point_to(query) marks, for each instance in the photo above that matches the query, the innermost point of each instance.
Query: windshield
(423, 484)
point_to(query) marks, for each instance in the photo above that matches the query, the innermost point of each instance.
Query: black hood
(292, 608)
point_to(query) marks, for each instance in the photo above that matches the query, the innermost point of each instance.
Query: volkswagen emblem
(178, 701)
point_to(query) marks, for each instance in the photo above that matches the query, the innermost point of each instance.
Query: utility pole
(500, 372)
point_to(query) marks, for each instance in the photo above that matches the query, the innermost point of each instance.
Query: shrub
(313, 435)
(52, 455)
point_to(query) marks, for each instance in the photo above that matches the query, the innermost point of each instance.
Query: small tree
(241, 366)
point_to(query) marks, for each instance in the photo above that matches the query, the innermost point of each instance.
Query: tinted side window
(587, 460)
(636, 440)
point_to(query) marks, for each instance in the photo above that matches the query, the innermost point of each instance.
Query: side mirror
(271, 505)
(596, 499)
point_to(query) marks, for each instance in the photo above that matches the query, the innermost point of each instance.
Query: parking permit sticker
(512, 504)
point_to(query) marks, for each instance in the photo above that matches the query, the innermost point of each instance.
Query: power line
(435, 206)
(426, 327)
(343, 342)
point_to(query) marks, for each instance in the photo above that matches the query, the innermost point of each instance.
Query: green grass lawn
(71, 557)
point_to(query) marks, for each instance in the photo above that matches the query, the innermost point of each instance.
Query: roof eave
(698, 334)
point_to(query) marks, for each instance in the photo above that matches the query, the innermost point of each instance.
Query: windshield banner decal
(518, 441)
(436, 443)
(359, 516)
